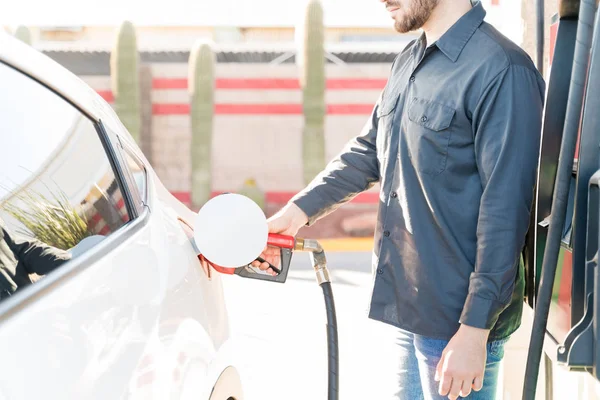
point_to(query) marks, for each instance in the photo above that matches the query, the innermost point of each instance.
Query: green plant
(53, 220)
(23, 34)
(125, 81)
(201, 85)
(311, 60)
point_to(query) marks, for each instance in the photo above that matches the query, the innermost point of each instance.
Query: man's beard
(415, 16)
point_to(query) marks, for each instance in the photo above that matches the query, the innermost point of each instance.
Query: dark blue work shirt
(454, 142)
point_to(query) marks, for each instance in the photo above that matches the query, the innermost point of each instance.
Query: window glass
(58, 193)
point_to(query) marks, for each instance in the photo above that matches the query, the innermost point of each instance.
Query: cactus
(125, 80)
(201, 85)
(22, 33)
(311, 60)
(251, 190)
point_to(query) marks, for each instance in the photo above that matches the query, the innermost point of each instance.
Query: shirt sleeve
(507, 126)
(353, 171)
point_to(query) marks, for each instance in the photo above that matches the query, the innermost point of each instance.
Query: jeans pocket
(495, 351)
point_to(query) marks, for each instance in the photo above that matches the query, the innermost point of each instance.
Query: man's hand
(287, 221)
(462, 365)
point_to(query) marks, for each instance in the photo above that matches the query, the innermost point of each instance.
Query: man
(453, 142)
(20, 257)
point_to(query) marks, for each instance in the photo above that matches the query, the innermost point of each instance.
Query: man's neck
(445, 14)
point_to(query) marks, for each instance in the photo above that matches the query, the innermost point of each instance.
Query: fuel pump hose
(332, 342)
(319, 262)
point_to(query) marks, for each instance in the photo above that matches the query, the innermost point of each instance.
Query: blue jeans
(419, 357)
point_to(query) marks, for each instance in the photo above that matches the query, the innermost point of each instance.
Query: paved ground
(280, 333)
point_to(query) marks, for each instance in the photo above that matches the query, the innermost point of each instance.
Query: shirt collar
(454, 40)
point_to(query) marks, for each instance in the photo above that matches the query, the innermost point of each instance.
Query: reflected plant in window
(51, 219)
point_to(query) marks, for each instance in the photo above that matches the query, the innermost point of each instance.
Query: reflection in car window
(58, 191)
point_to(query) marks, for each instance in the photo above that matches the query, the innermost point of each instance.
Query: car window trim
(104, 139)
(42, 83)
(127, 151)
(117, 168)
(24, 297)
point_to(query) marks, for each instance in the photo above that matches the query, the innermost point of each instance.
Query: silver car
(130, 314)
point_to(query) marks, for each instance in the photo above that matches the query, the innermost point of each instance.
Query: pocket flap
(434, 116)
(387, 105)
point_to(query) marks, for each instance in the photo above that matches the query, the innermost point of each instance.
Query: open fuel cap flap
(230, 230)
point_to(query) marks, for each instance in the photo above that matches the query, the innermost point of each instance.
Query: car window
(58, 192)
(137, 171)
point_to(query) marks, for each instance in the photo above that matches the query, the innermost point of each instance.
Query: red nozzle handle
(274, 239)
(282, 241)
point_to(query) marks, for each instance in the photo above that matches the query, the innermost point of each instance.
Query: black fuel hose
(319, 262)
(332, 343)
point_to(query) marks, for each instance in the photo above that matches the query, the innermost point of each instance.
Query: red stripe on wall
(270, 83)
(345, 84)
(169, 83)
(263, 109)
(184, 197)
(266, 83)
(106, 95)
(260, 109)
(349, 109)
(170, 109)
(284, 197)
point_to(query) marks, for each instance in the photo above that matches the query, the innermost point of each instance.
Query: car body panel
(132, 317)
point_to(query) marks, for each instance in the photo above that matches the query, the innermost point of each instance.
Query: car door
(81, 330)
(193, 329)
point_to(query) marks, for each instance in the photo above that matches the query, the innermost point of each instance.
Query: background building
(258, 112)
(177, 24)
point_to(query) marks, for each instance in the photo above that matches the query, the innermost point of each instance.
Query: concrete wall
(258, 121)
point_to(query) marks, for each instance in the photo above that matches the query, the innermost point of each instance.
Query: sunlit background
(257, 132)
(176, 24)
(254, 145)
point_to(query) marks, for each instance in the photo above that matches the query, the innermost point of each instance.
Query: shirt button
(394, 195)
(386, 233)
(380, 271)
(412, 78)
(423, 118)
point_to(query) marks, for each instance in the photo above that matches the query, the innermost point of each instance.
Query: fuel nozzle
(317, 257)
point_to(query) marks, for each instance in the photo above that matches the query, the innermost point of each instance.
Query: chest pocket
(428, 132)
(385, 115)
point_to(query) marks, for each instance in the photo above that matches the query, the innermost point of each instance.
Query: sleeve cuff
(481, 313)
(311, 204)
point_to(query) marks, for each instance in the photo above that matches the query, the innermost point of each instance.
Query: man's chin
(404, 26)
(401, 27)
